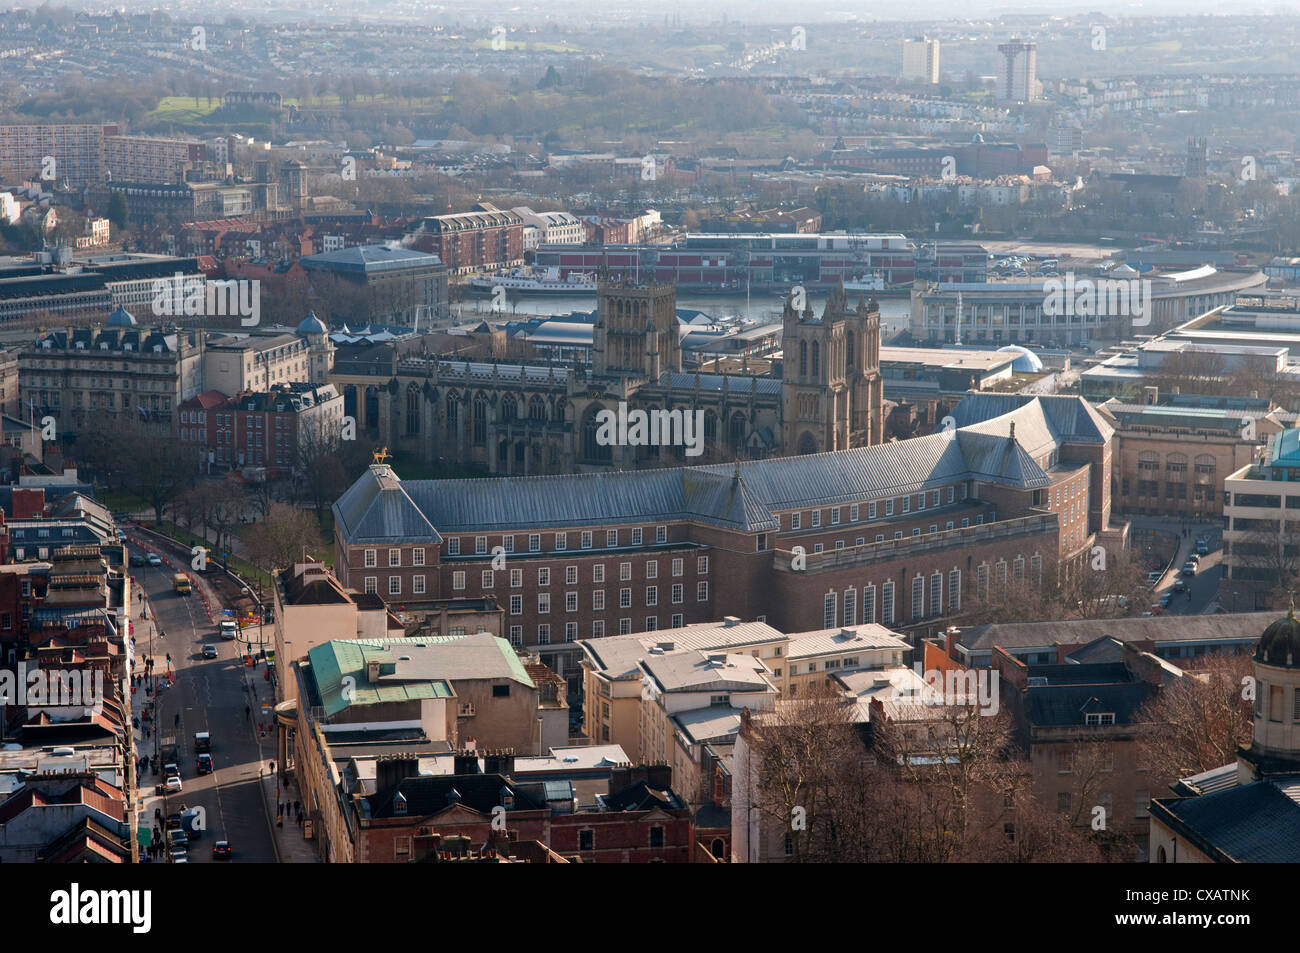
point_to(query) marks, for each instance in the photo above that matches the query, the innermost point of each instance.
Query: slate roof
(1049, 706)
(1234, 627)
(641, 797)
(1253, 823)
(377, 509)
(381, 508)
(426, 795)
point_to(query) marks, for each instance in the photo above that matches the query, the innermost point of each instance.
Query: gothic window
(412, 410)
(480, 418)
(803, 358)
(508, 408)
(816, 358)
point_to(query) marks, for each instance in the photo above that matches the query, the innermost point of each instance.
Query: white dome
(1027, 363)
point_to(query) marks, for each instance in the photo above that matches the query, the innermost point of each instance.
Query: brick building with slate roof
(897, 533)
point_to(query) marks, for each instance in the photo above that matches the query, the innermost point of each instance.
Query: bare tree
(1197, 722)
(285, 536)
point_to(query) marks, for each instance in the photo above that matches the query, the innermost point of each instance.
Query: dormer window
(1099, 718)
(399, 803)
(507, 799)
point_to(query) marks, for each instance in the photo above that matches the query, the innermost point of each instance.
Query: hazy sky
(697, 11)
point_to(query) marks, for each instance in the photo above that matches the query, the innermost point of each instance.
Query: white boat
(523, 281)
(866, 284)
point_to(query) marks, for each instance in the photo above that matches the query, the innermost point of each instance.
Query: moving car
(1180, 585)
(205, 763)
(174, 784)
(179, 856)
(202, 742)
(209, 650)
(181, 583)
(178, 838)
(1189, 568)
(137, 559)
(1202, 548)
(153, 559)
(171, 770)
(229, 630)
(221, 850)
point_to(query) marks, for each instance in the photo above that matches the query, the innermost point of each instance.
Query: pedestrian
(178, 719)
(297, 807)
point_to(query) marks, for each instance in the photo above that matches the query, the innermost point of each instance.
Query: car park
(209, 650)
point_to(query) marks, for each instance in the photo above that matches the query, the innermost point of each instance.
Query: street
(208, 695)
(1204, 586)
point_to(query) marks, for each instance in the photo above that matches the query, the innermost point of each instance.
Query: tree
(1197, 722)
(118, 213)
(284, 537)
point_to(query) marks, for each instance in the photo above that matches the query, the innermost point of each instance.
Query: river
(763, 308)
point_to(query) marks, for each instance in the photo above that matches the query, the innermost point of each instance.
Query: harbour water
(764, 308)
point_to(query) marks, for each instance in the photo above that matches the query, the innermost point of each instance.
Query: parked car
(171, 770)
(204, 762)
(1166, 599)
(1156, 609)
(1154, 576)
(1180, 585)
(209, 650)
(221, 850)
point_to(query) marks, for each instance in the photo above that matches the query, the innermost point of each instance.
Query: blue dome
(121, 318)
(1027, 363)
(311, 324)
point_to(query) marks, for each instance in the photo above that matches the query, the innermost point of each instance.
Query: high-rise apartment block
(921, 60)
(1016, 71)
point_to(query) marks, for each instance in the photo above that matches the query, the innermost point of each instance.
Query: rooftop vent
(729, 621)
(666, 646)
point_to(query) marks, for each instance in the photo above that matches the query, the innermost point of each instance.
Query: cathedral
(542, 417)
